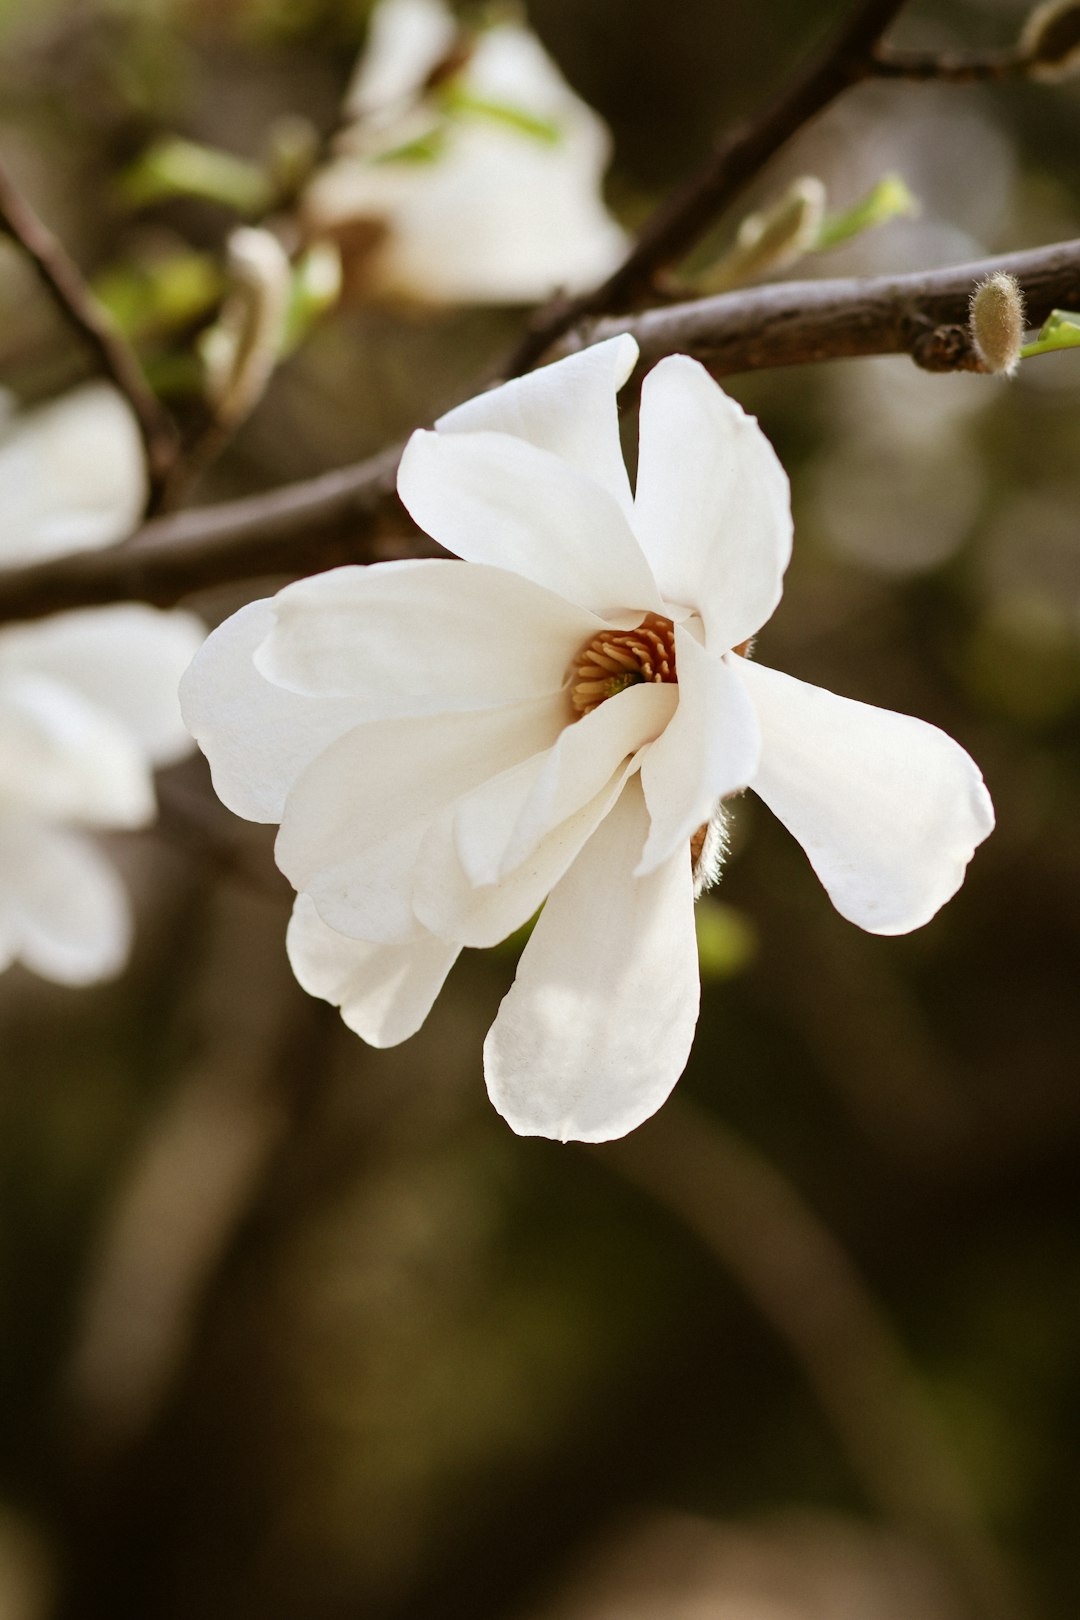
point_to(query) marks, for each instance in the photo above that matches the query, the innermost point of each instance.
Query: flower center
(616, 659)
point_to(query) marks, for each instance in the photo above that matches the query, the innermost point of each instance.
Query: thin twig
(63, 281)
(351, 514)
(951, 67)
(679, 222)
(806, 1286)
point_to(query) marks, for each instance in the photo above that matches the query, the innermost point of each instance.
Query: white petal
(599, 1022)
(63, 910)
(353, 824)
(405, 40)
(494, 499)
(63, 758)
(888, 809)
(422, 637)
(568, 408)
(710, 748)
(257, 737)
(482, 915)
(126, 659)
(72, 475)
(384, 991)
(499, 825)
(712, 510)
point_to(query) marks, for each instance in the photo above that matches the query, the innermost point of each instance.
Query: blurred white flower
(556, 716)
(88, 700)
(72, 474)
(471, 166)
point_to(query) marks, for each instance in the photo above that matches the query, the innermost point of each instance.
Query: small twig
(951, 67)
(63, 281)
(805, 1285)
(678, 223)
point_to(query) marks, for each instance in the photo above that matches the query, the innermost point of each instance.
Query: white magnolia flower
(88, 700)
(480, 187)
(72, 474)
(448, 744)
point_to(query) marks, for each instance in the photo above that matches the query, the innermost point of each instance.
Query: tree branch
(63, 281)
(948, 67)
(797, 322)
(349, 515)
(678, 223)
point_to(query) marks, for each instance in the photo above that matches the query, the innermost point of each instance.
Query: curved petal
(568, 408)
(384, 991)
(598, 1024)
(494, 499)
(406, 40)
(63, 758)
(126, 659)
(257, 737)
(72, 475)
(422, 637)
(499, 825)
(710, 748)
(353, 824)
(712, 509)
(888, 809)
(63, 909)
(452, 906)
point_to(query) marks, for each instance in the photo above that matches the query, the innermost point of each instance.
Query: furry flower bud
(997, 322)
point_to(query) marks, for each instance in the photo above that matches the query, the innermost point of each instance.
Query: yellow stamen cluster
(616, 659)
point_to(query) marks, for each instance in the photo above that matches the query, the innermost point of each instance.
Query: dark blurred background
(293, 1328)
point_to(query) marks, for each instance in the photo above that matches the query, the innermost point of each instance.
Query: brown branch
(63, 281)
(806, 1286)
(349, 515)
(798, 322)
(691, 210)
(948, 67)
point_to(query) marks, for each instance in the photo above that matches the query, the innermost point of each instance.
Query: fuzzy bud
(997, 322)
(242, 349)
(771, 240)
(1050, 42)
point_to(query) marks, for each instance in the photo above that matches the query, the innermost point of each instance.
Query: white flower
(72, 474)
(449, 743)
(88, 700)
(481, 188)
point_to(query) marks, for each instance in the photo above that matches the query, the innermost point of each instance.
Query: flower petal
(491, 498)
(384, 991)
(568, 408)
(710, 748)
(598, 1024)
(888, 809)
(422, 637)
(257, 737)
(712, 510)
(65, 759)
(455, 908)
(406, 40)
(63, 909)
(354, 823)
(126, 659)
(72, 475)
(500, 825)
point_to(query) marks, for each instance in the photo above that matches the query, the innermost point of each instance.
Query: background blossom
(477, 185)
(88, 705)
